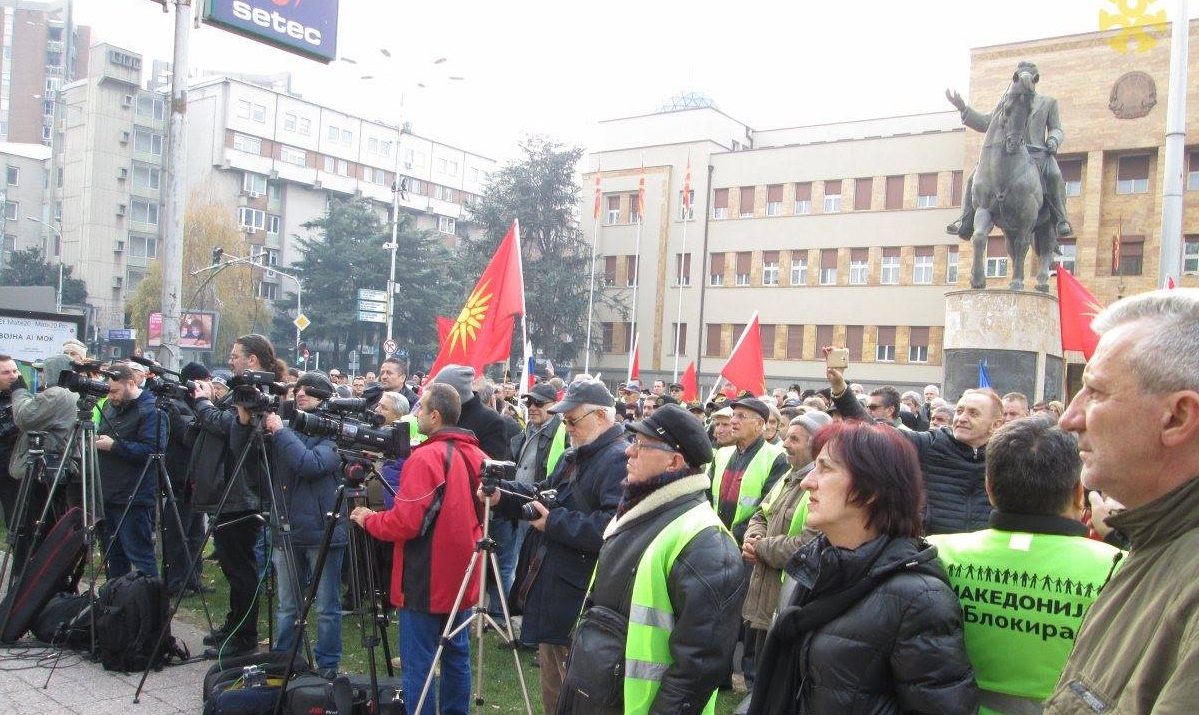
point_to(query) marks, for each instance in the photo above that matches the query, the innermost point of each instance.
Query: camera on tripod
(394, 441)
(76, 379)
(256, 390)
(494, 471)
(169, 388)
(358, 408)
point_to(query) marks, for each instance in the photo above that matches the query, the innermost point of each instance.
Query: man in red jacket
(435, 508)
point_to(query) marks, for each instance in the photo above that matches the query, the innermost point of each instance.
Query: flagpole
(591, 292)
(715, 386)
(678, 325)
(637, 249)
(526, 348)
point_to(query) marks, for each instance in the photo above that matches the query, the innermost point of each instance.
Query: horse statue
(1007, 191)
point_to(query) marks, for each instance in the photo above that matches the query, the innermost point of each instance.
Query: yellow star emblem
(470, 319)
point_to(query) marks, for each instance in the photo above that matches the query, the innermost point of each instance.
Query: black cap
(663, 400)
(675, 386)
(676, 427)
(316, 384)
(584, 392)
(542, 393)
(194, 371)
(753, 404)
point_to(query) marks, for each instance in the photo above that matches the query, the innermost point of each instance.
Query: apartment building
(22, 194)
(41, 49)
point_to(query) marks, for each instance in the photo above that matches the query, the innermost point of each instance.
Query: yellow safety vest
(750, 494)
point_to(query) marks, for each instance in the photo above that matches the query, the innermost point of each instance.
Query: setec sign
(305, 27)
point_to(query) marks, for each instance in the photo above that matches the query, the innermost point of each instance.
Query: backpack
(64, 621)
(131, 616)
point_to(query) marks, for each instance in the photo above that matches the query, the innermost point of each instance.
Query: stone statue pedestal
(1018, 333)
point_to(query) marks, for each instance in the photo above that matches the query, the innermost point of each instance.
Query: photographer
(561, 550)
(177, 549)
(130, 429)
(10, 379)
(307, 472)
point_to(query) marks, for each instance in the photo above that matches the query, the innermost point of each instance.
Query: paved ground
(83, 687)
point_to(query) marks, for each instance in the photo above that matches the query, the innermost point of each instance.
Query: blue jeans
(133, 546)
(419, 635)
(327, 606)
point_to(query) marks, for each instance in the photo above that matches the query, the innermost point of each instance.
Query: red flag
(686, 188)
(745, 367)
(1076, 308)
(444, 325)
(598, 193)
(1170, 282)
(690, 383)
(482, 332)
(635, 359)
(641, 197)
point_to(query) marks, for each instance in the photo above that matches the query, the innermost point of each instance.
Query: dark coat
(893, 644)
(137, 429)
(588, 482)
(488, 426)
(544, 438)
(212, 462)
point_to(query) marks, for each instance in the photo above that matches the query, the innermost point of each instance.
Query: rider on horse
(1044, 137)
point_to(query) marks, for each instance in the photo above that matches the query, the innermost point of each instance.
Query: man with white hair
(76, 349)
(931, 393)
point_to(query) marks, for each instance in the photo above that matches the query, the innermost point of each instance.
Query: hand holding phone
(837, 358)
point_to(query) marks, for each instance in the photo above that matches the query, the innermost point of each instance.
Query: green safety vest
(417, 435)
(750, 494)
(557, 447)
(651, 617)
(1023, 599)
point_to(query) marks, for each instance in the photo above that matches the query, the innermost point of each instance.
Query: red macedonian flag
(482, 332)
(1076, 308)
(745, 367)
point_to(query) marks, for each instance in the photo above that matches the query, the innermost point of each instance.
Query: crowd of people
(869, 550)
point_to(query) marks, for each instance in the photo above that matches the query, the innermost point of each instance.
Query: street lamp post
(252, 261)
(58, 234)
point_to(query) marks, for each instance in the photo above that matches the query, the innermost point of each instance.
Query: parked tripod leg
(18, 530)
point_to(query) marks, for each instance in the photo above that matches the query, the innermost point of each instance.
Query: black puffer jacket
(896, 648)
(954, 475)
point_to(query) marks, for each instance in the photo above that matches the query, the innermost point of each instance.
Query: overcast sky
(533, 66)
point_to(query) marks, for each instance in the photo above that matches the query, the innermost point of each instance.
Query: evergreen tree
(27, 267)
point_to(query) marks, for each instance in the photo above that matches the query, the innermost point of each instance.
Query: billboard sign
(197, 330)
(304, 27)
(28, 336)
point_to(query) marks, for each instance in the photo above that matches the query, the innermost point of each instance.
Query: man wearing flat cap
(669, 572)
(747, 469)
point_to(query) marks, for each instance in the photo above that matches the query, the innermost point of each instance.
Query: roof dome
(687, 100)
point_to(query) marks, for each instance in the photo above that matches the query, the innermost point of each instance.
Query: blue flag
(984, 378)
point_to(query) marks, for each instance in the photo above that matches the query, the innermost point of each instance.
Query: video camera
(160, 384)
(394, 441)
(256, 390)
(76, 379)
(494, 471)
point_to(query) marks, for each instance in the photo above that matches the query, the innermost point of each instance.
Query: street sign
(369, 317)
(353, 355)
(353, 366)
(389, 346)
(369, 294)
(373, 305)
(301, 322)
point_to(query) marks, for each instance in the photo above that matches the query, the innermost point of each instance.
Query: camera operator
(307, 472)
(566, 539)
(238, 524)
(10, 379)
(178, 549)
(130, 429)
(435, 525)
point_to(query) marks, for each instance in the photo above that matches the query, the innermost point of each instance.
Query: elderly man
(746, 470)
(1015, 406)
(75, 349)
(1036, 537)
(588, 479)
(1137, 421)
(669, 569)
(722, 430)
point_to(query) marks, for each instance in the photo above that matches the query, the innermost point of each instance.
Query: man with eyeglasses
(671, 571)
(565, 541)
(883, 405)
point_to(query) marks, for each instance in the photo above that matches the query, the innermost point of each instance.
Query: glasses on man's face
(572, 421)
(639, 445)
(872, 406)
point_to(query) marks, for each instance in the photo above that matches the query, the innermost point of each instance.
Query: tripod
(22, 538)
(485, 560)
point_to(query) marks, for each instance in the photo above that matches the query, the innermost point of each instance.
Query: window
(151, 107)
(744, 259)
(631, 265)
(803, 198)
(716, 271)
(147, 141)
(712, 341)
(146, 176)
(264, 256)
(613, 213)
(269, 291)
(853, 341)
(11, 210)
(799, 268)
(447, 167)
(824, 336)
(143, 245)
(379, 177)
(884, 348)
(1193, 171)
(922, 271)
(767, 333)
(828, 267)
(893, 201)
(1132, 174)
(746, 205)
(859, 266)
(144, 211)
(832, 196)
(1069, 255)
(996, 257)
(926, 191)
(243, 109)
(292, 155)
(347, 137)
(1071, 175)
(951, 266)
(634, 211)
(679, 338)
(251, 218)
(687, 205)
(606, 341)
(682, 266)
(889, 271)
(774, 200)
(47, 133)
(770, 268)
(1132, 254)
(955, 188)
(289, 122)
(248, 144)
(372, 145)
(272, 224)
(305, 127)
(252, 183)
(861, 193)
(274, 193)
(333, 134)
(14, 176)
(794, 342)
(918, 344)
(445, 224)
(608, 279)
(720, 203)
(1190, 254)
